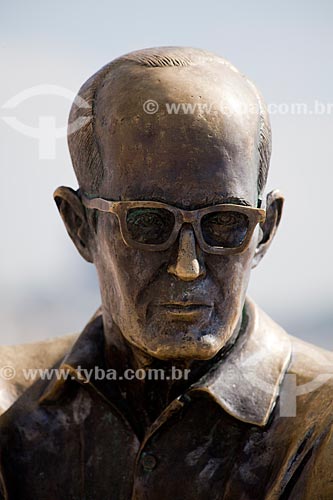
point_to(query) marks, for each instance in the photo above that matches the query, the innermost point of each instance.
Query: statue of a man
(179, 387)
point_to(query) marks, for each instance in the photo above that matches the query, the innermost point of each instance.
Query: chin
(186, 344)
(184, 352)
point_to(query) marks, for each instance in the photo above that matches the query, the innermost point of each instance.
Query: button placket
(148, 461)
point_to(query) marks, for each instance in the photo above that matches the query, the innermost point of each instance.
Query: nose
(187, 267)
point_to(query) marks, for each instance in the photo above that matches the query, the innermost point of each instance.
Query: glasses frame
(192, 217)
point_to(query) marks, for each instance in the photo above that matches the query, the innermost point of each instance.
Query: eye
(224, 229)
(150, 225)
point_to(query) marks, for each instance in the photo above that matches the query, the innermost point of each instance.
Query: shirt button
(148, 462)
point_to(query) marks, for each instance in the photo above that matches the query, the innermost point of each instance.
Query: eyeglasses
(154, 226)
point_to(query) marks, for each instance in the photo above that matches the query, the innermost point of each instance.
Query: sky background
(46, 289)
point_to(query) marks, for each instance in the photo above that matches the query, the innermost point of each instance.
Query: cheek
(124, 269)
(231, 272)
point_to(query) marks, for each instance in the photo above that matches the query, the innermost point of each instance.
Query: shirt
(256, 425)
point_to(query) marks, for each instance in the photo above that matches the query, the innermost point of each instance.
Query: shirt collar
(245, 383)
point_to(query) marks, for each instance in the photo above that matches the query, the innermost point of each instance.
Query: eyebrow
(217, 200)
(236, 201)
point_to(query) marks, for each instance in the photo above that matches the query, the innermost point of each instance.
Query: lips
(187, 311)
(185, 306)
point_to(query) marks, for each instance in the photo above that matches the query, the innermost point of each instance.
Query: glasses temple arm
(97, 204)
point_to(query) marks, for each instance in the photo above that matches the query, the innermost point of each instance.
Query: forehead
(200, 146)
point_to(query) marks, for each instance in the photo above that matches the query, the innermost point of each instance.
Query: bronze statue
(171, 157)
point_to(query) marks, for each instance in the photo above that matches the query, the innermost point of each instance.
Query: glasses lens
(151, 226)
(224, 229)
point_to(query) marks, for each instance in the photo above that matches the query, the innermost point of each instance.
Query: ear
(274, 206)
(74, 216)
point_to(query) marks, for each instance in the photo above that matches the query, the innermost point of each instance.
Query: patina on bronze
(169, 209)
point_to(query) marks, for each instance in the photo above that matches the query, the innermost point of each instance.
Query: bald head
(209, 116)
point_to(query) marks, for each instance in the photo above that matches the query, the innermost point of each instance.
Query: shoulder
(305, 412)
(309, 360)
(306, 360)
(16, 359)
(307, 374)
(310, 385)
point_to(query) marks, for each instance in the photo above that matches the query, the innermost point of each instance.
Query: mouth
(186, 310)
